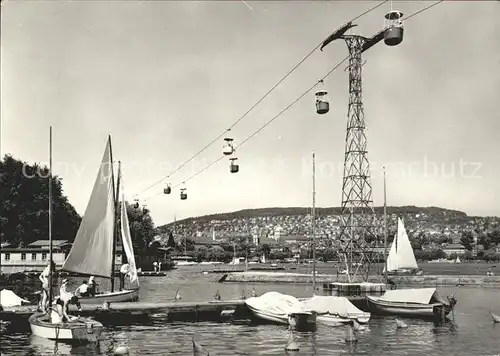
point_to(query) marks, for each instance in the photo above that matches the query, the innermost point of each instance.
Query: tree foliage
(142, 229)
(171, 240)
(24, 202)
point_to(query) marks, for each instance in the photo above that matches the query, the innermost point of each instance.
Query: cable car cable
(262, 127)
(288, 106)
(256, 104)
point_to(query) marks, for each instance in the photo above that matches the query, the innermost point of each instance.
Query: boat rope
(283, 110)
(255, 105)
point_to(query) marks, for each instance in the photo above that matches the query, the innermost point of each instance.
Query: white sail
(392, 258)
(401, 255)
(92, 250)
(127, 243)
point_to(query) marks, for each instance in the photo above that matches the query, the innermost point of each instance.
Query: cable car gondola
(234, 167)
(136, 203)
(183, 194)
(394, 28)
(228, 148)
(167, 189)
(322, 103)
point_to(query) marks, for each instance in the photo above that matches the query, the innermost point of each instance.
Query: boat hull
(405, 272)
(82, 330)
(131, 295)
(296, 320)
(337, 320)
(412, 310)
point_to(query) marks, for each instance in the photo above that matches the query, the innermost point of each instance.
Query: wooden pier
(118, 313)
(151, 274)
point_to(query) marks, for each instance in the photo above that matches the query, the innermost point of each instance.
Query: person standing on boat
(124, 271)
(44, 278)
(159, 266)
(155, 266)
(63, 292)
(92, 287)
(62, 305)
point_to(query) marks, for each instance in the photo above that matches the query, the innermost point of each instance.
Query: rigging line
(256, 104)
(287, 107)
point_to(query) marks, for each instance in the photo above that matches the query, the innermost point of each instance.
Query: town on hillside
(286, 233)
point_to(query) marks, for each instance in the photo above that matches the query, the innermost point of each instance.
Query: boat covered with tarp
(335, 311)
(282, 309)
(416, 302)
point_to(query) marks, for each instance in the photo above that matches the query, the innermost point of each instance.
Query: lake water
(472, 333)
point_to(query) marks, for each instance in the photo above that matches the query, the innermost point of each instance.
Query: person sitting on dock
(44, 278)
(83, 290)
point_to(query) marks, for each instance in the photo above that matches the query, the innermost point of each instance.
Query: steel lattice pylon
(357, 213)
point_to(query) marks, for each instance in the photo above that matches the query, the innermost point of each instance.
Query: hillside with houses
(434, 232)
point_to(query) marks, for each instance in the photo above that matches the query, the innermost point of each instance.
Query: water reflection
(472, 329)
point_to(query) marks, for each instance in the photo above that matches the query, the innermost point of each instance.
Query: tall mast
(50, 215)
(314, 221)
(115, 225)
(385, 228)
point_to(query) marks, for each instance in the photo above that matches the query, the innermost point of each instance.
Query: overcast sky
(165, 78)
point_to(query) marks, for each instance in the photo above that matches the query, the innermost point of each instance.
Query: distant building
(295, 239)
(200, 242)
(454, 249)
(278, 231)
(35, 256)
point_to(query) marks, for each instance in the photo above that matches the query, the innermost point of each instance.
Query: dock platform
(117, 313)
(151, 274)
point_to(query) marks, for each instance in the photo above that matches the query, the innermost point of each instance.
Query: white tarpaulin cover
(331, 305)
(417, 295)
(10, 299)
(277, 303)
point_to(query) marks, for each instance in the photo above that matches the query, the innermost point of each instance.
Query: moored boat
(335, 311)
(282, 309)
(49, 324)
(423, 303)
(94, 247)
(80, 329)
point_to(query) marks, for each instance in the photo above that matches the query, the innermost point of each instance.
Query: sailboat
(401, 259)
(41, 324)
(330, 310)
(93, 251)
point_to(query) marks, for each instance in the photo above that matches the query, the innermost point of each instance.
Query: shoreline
(302, 278)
